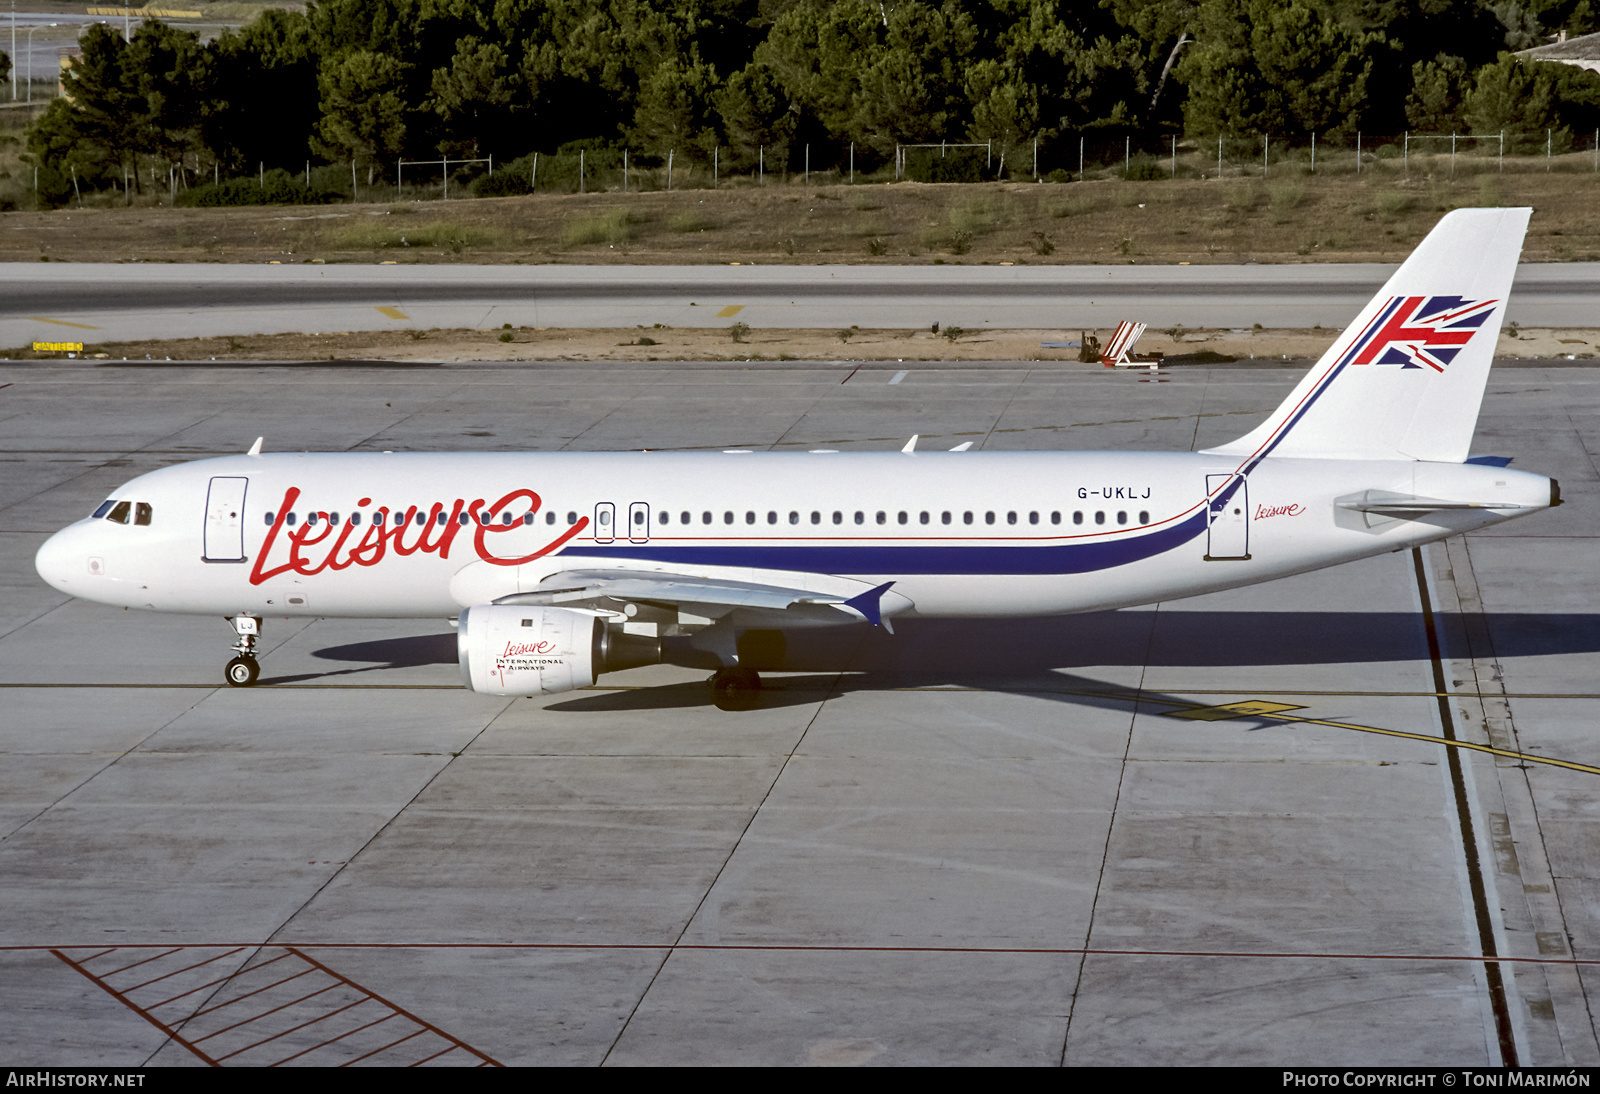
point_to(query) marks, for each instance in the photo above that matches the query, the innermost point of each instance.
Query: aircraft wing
(825, 600)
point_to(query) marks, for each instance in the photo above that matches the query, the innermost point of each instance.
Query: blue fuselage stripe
(1063, 558)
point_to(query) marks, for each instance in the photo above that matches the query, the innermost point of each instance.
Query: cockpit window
(142, 512)
(105, 507)
(120, 511)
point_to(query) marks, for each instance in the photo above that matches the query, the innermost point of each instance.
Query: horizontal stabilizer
(1389, 504)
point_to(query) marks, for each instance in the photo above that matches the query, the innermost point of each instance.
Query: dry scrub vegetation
(1293, 217)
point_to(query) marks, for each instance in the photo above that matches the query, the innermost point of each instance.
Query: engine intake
(508, 649)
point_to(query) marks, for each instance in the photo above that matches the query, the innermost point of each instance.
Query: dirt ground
(1289, 216)
(1192, 347)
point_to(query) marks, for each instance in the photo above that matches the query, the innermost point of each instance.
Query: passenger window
(924, 516)
(270, 517)
(1011, 517)
(119, 512)
(141, 513)
(1144, 516)
(772, 517)
(293, 519)
(605, 518)
(333, 518)
(549, 518)
(505, 518)
(816, 517)
(1100, 517)
(527, 518)
(749, 516)
(638, 517)
(838, 517)
(1033, 518)
(727, 516)
(311, 520)
(944, 518)
(572, 518)
(485, 517)
(355, 518)
(988, 518)
(966, 518)
(904, 516)
(1077, 517)
(663, 516)
(683, 517)
(794, 517)
(1055, 517)
(882, 518)
(705, 518)
(105, 507)
(861, 518)
(441, 519)
(1122, 517)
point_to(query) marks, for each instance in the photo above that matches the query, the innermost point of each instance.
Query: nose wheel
(244, 670)
(735, 688)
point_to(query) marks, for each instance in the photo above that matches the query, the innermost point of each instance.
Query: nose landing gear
(243, 670)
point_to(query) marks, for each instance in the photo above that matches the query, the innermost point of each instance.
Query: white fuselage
(959, 534)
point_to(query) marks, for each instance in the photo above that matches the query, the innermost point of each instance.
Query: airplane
(558, 567)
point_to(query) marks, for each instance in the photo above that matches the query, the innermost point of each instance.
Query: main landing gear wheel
(242, 672)
(736, 688)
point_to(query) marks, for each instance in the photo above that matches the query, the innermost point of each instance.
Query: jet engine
(510, 649)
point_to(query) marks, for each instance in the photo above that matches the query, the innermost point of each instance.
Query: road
(109, 302)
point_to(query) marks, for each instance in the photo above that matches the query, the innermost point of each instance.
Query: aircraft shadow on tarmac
(1026, 655)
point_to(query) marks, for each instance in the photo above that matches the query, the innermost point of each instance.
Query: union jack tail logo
(1419, 331)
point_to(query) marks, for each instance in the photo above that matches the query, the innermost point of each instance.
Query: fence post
(988, 156)
(1174, 157)
(624, 170)
(670, 153)
(1452, 155)
(1405, 155)
(1036, 159)
(1502, 151)
(1080, 159)
(808, 165)
(353, 195)
(716, 165)
(1219, 156)
(1266, 142)
(1127, 149)
(1547, 133)
(852, 163)
(491, 165)
(533, 178)
(1313, 152)
(308, 174)
(261, 175)
(1358, 151)
(761, 164)
(446, 162)
(580, 170)
(400, 177)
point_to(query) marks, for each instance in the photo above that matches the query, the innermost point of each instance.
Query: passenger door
(1228, 531)
(224, 540)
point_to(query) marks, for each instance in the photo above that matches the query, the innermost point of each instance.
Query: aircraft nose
(62, 562)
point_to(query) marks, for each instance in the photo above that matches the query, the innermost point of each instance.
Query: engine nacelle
(505, 649)
(509, 649)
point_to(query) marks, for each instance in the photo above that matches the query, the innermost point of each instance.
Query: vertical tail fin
(1405, 380)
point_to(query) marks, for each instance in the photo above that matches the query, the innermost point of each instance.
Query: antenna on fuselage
(255, 449)
(911, 445)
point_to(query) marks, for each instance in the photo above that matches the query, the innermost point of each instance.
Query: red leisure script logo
(381, 536)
